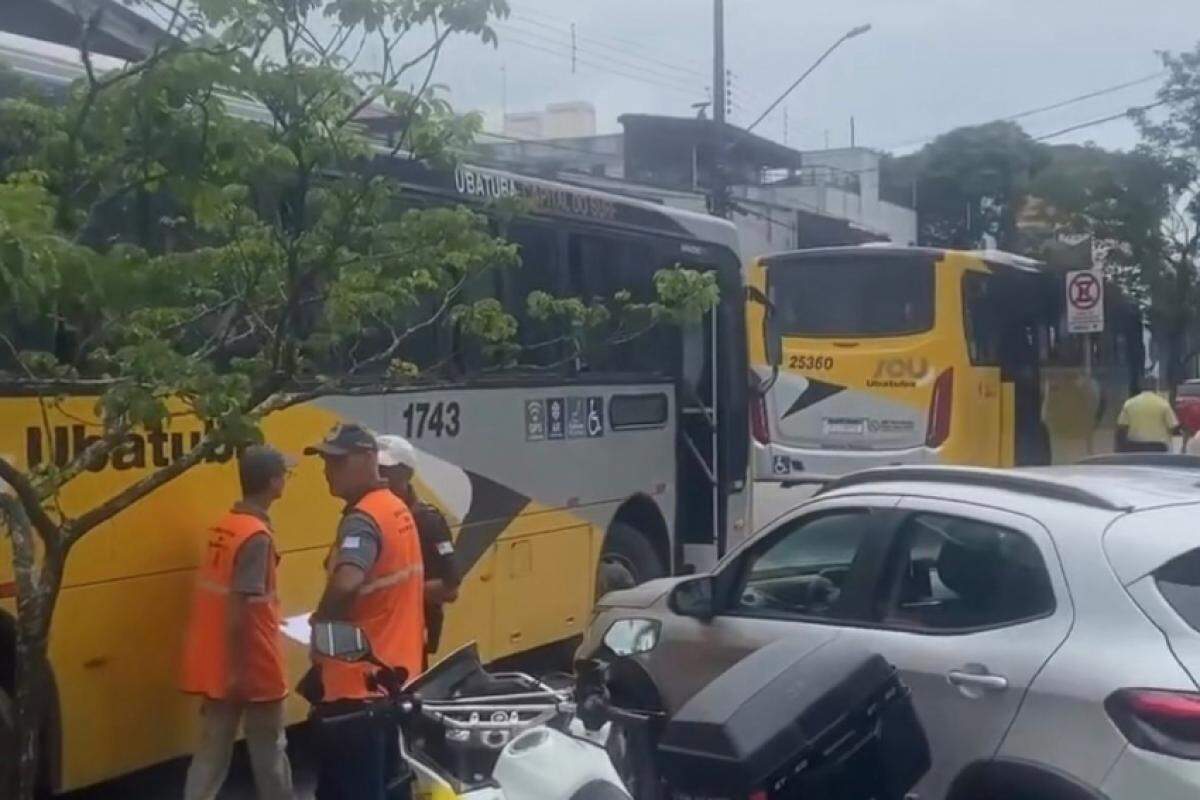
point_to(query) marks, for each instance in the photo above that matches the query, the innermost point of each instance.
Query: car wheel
(628, 559)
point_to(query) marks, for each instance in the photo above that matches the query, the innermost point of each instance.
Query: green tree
(1141, 210)
(207, 234)
(1163, 265)
(970, 183)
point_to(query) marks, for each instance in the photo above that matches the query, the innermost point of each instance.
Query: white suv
(1046, 620)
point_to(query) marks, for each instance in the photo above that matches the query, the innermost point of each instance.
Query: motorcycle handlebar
(597, 709)
(383, 708)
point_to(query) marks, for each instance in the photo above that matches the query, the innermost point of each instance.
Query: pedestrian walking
(398, 466)
(375, 582)
(233, 655)
(1146, 424)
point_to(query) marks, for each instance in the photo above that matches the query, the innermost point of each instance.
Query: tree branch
(74, 529)
(31, 501)
(398, 339)
(390, 80)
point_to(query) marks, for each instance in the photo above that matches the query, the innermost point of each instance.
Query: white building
(557, 121)
(784, 198)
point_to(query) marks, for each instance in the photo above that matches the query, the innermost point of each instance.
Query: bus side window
(981, 318)
(540, 270)
(597, 268)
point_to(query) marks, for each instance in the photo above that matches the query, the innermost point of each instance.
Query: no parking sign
(1085, 301)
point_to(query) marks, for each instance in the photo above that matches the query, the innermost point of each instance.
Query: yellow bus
(904, 355)
(632, 463)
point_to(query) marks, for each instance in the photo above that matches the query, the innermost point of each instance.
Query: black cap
(343, 440)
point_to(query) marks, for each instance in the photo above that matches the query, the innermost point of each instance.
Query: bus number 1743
(431, 419)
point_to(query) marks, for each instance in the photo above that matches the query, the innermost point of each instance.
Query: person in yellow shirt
(1146, 424)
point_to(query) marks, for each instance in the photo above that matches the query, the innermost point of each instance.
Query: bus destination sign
(487, 185)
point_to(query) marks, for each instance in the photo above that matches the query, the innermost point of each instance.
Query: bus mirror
(772, 339)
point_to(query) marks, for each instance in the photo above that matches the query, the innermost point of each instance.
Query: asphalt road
(165, 782)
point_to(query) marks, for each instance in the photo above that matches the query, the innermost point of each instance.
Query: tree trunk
(37, 590)
(31, 702)
(1173, 356)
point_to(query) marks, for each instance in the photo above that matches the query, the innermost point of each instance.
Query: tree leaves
(971, 182)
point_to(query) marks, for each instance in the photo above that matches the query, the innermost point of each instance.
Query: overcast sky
(927, 65)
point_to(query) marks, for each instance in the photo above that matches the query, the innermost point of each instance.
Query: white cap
(396, 451)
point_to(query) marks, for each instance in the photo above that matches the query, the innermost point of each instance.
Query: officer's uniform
(378, 535)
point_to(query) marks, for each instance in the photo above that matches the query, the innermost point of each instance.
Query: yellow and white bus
(638, 462)
(902, 355)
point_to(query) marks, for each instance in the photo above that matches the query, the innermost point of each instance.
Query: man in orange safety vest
(233, 656)
(376, 582)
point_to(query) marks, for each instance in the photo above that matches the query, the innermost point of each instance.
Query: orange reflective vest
(206, 656)
(390, 607)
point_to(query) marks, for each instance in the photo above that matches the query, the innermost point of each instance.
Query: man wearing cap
(233, 656)
(376, 582)
(398, 466)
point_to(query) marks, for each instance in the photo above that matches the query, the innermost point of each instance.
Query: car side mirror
(341, 641)
(695, 598)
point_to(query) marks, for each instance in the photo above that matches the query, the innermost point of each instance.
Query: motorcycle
(469, 734)
(799, 719)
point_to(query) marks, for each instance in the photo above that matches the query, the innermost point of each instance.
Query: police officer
(376, 582)
(398, 466)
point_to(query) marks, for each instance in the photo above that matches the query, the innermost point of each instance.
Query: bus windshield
(866, 296)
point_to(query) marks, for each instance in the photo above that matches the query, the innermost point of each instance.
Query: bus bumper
(778, 464)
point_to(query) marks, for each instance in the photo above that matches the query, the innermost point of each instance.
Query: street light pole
(719, 202)
(847, 36)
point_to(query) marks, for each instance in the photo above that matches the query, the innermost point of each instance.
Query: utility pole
(785, 125)
(852, 136)
(719, 202)
(573, 48)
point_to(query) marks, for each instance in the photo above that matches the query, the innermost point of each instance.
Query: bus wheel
(8, 746)
(628, 559)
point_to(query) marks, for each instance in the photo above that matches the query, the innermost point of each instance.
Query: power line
(688, 72)
(691, 92)
(1054, 106)
(545, 45)
(1087, 96)
(643, 45)
(573, 51)
(1129, 112)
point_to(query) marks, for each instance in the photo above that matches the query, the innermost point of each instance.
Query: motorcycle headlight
(631, 637)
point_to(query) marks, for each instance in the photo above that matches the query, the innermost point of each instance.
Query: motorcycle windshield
(444, 679)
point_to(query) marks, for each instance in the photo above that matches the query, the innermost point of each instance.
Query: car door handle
(978, 680)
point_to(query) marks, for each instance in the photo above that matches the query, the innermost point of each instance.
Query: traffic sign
(1085, 301)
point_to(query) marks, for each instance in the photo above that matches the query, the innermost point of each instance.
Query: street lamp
(847, 36)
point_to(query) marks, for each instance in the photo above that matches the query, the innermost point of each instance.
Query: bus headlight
(631, 637)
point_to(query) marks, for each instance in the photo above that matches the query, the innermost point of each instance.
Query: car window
(802, 568)
(951, 573)
(1179, 583)
(1189, 390)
